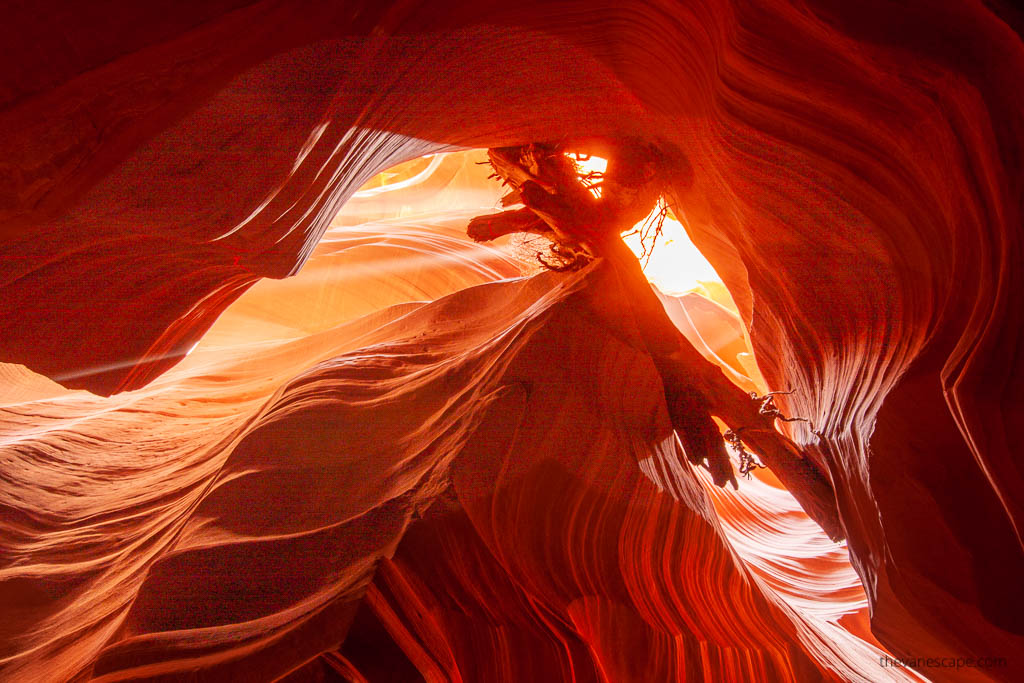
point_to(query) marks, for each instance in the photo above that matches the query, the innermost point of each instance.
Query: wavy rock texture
(852, 171)
(288, 495)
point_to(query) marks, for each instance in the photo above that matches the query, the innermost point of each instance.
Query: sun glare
(591, 170)
(591, 164)
(675, 265)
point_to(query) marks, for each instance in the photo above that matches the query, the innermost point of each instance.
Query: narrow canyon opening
(291, 389)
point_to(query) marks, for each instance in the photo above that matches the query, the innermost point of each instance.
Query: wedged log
(852, 170)
(695, 387)
(552, 190)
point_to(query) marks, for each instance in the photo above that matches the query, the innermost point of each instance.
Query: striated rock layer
(852, 171)
(481, 488)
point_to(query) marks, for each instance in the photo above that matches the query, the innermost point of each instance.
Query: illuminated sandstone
(851, 170)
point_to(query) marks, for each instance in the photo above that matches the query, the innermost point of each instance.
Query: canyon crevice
(245, 434)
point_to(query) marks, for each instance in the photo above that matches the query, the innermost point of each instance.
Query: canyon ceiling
(257, 423)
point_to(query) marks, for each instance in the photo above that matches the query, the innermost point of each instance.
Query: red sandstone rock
(852, 170)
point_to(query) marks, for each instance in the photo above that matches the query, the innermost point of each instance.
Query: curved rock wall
(852, 170)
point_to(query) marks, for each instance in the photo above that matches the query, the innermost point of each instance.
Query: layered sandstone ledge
(852, 170)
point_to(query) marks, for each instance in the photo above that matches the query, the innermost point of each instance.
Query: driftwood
(558, 204)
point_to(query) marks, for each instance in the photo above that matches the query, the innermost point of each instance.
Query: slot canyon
(540, 341)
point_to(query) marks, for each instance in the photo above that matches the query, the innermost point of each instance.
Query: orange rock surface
(267, 414)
